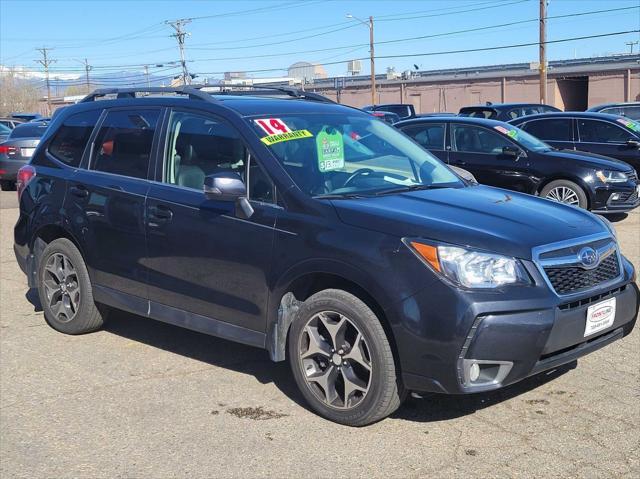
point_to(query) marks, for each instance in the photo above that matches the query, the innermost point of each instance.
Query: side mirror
(511, 151)
(631, 143)
(228, 186)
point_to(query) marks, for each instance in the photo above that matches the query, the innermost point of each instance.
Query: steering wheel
(355, 174)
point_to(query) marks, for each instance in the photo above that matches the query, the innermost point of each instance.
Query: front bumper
(512, 335)
(616, 199)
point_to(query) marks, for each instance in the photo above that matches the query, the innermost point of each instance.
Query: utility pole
(543, 52)
(87, 69)
(631, 44)
(45, 62)
(180, 35)
(146, 72)
(371, 54)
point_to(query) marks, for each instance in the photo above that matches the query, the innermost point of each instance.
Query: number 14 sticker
(272, 126)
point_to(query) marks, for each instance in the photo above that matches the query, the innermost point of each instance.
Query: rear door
(430, 136)
(480, 150)
(609, 139)
(107, 201)
(557, 132)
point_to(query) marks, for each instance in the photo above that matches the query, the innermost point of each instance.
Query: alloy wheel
(336, 360)
(62, 289)
(562, 194)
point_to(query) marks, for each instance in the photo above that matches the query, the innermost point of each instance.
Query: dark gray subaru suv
(281, 220)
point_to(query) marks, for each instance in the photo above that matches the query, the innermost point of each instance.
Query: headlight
(607, 176)
(470, 268)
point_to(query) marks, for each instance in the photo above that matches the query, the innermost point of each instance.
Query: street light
(373, 65)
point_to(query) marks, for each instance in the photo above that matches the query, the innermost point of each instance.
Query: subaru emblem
(588, 257)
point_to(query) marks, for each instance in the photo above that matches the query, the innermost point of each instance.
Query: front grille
(574, 278)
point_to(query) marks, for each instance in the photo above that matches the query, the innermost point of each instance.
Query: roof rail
(193, 92)
(287, 90)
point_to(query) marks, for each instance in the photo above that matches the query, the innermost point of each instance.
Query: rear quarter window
(70, 140)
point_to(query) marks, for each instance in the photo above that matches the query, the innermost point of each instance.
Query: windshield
(631, 124)
(4, 130)
(530, 142)
(342, 154)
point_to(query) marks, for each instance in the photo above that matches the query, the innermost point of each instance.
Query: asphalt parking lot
(145, 399)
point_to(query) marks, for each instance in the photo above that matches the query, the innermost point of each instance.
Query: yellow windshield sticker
(291, 135)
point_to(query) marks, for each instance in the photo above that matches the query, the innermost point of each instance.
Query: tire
(571, 192)
(364, 343)
(65, 290)
(7, 185)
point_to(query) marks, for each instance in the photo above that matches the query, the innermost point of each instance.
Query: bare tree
(17, 94)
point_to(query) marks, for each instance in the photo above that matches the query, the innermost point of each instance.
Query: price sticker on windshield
(632, 125)
(330, 147)
(272, 126)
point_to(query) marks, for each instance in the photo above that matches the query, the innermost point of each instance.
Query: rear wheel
(7, 185)
(565, 191)
(342, 361)
(65, 290)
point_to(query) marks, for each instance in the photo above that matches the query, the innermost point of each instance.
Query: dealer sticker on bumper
(600, 316)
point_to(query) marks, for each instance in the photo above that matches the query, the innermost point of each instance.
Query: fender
(283, 304)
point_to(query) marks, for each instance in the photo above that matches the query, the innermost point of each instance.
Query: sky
(265, 37)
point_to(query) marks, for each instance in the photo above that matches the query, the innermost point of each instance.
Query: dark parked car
(16, 151)
(385, 116)
(403, 110)
(26, 116)
(319, 233)
(600, 133)
(505, 111)
(630, 110)
(500, 154)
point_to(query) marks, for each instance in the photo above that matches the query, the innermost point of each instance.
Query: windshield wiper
(406, 188)
(338, 196)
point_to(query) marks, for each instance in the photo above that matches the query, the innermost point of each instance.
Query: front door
(480, 150)
(106, 203)
(608, 139)
(203, 258)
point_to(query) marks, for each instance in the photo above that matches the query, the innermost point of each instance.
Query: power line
(431, 15)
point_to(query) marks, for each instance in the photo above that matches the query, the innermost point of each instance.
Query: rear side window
(632, 112)
(430, 136)
(558, 129)
(70, 140)
(123, 144)
(35, 130)
(595, 131)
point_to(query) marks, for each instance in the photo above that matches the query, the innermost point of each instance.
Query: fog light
(615, 197)
(474, 372)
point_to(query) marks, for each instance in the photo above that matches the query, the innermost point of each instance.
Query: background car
(600, 133)
(630, 110)
(501, 155)
(17, 150)
(385, 116)
(403, 110)
(26, 116)
(4, 132)
(10, 123)
(505, 111)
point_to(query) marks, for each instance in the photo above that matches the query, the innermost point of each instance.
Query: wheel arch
(567, 177)
(296, 288)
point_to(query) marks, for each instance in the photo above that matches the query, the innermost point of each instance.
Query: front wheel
(567, 192)
(342, 361)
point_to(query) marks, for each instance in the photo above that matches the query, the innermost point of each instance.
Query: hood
(598, 161)
(480, 216)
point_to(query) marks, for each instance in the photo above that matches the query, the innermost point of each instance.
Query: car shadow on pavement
(614, 218)
(254, 361)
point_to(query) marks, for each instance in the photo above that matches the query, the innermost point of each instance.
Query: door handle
(79, 191)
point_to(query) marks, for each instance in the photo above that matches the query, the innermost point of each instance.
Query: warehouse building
(572, 85)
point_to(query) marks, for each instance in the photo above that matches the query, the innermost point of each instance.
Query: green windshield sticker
(632, 125)
(512, 134)
(330, 148)
(291, 135)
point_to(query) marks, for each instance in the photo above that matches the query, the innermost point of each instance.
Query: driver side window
(198, 146)
(474, 139)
